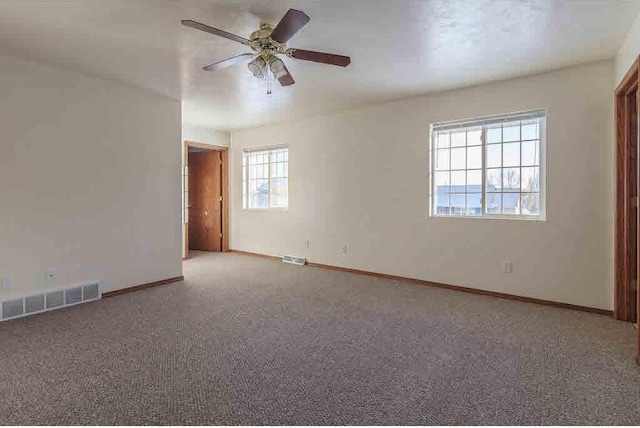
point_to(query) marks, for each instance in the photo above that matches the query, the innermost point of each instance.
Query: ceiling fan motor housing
(263, 33)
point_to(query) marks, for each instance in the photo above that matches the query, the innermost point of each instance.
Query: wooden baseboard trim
(448, 287)
(264, 256)
(142, 286)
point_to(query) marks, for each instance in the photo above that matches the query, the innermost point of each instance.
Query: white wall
(360, 178)
(629, 51)
(89, 180)
(199, 134)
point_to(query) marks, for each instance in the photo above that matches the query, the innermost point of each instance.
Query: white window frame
(245, 177)
(541, 114)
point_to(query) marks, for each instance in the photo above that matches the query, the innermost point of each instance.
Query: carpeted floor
(249, 341)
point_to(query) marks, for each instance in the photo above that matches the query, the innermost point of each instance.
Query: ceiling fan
(267, 43)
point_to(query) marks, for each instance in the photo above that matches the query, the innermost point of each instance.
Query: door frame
(224, 151)
(627, 208)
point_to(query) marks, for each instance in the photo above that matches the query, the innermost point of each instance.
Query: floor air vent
(36, 303)
(294, 260)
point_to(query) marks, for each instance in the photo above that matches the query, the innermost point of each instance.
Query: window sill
(266, 209)
(540, 219)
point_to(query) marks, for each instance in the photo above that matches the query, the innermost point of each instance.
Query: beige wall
(89, 180)
(359, 178)
(629, 51)
(203, 135)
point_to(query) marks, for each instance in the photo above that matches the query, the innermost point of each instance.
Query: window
(489, 167)
(265, 178)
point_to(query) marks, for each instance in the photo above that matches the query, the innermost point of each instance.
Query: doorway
(205, 198)
(627, 261)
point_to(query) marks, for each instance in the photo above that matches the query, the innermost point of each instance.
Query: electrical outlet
(7, 283)
(343, 250)
(507, 267)
(50, 275)
(307, 243)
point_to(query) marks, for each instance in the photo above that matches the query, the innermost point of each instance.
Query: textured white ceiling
(398, 48)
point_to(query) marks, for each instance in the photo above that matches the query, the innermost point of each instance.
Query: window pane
(511, 203)
(494, 155)
(474, 206)
(259, 194)
(441, 202)
(474, 137)
(458, 139)
(530, 153)
(530, 130)
(458, 202)
(511, 154)
(531, 179)
(511, 132)
(474, 181)
(458, 160)
(442, 159)
(530, 203)
(279, 191)
(494, 203)
(494, 179)
(458, 181)
(511, 179)
(442, 140)
(474, 157)
(441, 179)
(494, 134)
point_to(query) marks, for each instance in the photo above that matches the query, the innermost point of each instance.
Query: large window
(489, 167)
(265, 178)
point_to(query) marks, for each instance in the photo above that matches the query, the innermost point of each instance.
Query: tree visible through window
(488, 167)
(265, 182)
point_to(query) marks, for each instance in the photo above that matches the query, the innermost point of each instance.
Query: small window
(265, 178)
(489, 167)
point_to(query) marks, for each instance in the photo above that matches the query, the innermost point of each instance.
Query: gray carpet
(251, 341)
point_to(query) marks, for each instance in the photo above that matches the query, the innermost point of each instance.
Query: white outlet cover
(50, 275)
(7, 283)
(507, 267)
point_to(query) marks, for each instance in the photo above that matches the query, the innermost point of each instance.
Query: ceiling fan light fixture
(257, 66)
(277, 67)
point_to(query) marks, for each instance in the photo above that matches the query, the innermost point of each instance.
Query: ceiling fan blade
(228, 62)
(287, 79)
(324, 58)
(215, 31)
(289, 25)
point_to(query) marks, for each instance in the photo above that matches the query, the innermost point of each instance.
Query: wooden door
(627, 220)
(205, 205)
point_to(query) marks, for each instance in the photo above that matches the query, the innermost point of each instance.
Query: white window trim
(245, 178)
(542, 217)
